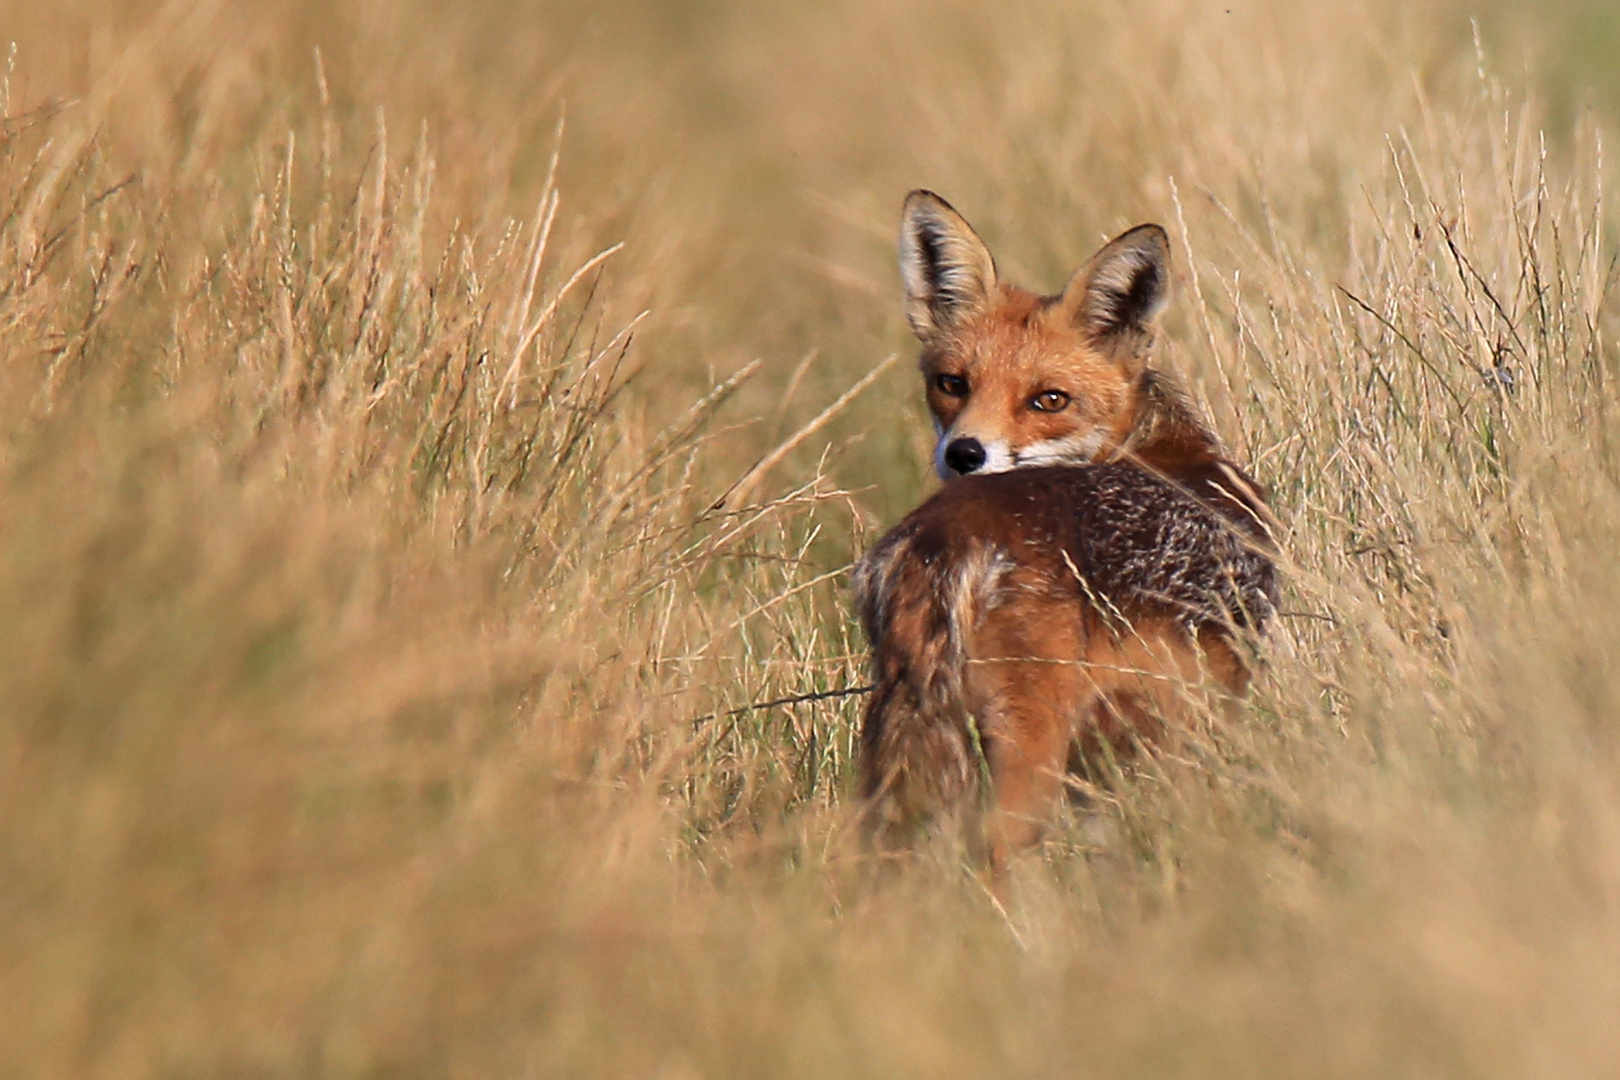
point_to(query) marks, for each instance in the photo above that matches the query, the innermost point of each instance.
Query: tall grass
(426, 436)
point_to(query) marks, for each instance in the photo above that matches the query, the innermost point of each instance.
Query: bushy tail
(920, 757)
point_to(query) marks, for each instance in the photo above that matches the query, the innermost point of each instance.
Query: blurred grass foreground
(385, 569)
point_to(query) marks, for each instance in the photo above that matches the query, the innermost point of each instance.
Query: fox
(1090, 555)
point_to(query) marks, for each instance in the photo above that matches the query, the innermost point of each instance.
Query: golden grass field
(383, 557)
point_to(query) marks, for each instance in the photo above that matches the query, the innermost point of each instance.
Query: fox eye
(1049, 401)
(951, 385)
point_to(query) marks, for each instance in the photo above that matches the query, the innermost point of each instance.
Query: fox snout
(962, 456)
(958, 455)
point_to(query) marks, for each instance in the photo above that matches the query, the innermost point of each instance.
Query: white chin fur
(1075, 450)
(999, 457)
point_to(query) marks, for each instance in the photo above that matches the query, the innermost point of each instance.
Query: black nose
(964, 455)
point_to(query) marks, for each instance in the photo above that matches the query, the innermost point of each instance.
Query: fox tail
(920, 600)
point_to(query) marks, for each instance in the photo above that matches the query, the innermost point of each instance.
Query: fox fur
(1091, 555)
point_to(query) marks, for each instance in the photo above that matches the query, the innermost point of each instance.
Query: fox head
(1014, 378)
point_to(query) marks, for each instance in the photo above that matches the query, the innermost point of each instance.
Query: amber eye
(951, 385)
(1049, 401)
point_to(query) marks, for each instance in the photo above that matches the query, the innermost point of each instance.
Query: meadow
(430, 431)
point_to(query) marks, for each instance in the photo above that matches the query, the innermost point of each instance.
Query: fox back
(1090, 553)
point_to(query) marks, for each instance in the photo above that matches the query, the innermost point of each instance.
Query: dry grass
(379, 591)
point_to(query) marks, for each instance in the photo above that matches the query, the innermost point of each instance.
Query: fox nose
(964, 455)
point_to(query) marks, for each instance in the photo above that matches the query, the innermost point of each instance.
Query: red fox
(1090, 556)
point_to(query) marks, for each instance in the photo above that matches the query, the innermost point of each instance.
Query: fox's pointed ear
(947, 269)
(1117, 296)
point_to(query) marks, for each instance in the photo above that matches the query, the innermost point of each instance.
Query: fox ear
(947, 269)
(1117, 296)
